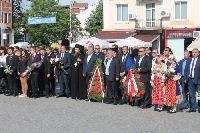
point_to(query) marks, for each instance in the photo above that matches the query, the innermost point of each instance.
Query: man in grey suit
(63, 78)
(89, 61)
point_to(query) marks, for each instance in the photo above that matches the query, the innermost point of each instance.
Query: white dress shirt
(3, 59)
(89, 57)
(192, 71)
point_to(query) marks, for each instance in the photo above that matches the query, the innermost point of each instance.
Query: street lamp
(70, 19)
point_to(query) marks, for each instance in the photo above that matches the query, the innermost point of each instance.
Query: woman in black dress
(78, 88)
(22, 66)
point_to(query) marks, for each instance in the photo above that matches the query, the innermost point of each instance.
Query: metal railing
(148, 24)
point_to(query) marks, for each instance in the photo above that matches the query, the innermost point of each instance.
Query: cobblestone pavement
(62, 115)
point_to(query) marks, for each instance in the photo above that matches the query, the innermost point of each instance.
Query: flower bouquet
(170, 73)
(57, 63)
(29, 69)
(7, 69)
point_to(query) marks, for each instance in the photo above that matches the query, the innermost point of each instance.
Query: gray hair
(91, 47)
(186, 51)
(196, 49)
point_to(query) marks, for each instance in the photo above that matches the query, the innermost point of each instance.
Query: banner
(42, 20)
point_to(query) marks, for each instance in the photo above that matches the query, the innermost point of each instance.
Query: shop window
(181, 10)
(122, 12)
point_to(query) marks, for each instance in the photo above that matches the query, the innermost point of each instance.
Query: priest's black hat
(81, 48)
(65, 42)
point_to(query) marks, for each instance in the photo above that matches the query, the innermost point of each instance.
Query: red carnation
(138, 95)
(132, 71)
(99, 67)
(137, 76)
(142, 92)
(92, 83)
(99, 92)
(141, 83)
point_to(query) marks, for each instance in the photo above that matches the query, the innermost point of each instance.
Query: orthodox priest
(78, 88)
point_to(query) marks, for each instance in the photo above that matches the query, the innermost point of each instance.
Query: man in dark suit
(12, 60)
(112, 73)
(33, 58)
(89, 61)
(44, 73)
(98, 53)
(123, 57)
(63, 78)
(144, 64)
(182, 64)
(52, 78)
(192, 77)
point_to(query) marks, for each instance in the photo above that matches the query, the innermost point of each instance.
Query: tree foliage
(47, 33)
(94, 23)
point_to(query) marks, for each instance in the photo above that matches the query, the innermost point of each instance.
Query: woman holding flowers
(172, 85)
(158, 82)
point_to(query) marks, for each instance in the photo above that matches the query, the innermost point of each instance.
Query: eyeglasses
(96, 48)
(166, 50)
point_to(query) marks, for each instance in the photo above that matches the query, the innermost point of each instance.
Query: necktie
(192, 68)
(106, 61)
(32, 58)
(124, 58)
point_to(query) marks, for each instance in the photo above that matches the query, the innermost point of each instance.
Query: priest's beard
(76, 54)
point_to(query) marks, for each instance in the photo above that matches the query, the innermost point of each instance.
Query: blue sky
(91, 2)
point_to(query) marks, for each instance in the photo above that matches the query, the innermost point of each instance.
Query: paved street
(64, 115)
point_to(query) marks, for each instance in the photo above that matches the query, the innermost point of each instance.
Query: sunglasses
(140, 51)
(54, 52)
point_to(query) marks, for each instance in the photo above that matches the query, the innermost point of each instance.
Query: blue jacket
(88, 67)
(130, 63)
(66, 61)
(196, 71)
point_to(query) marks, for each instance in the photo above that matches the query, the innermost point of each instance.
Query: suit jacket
(100, 55)
(145, 65)
(22, 65)
(123, 65)
(114, 69)
(12, 62)
(181, 65)
(52, 67)
(88, 67)
(66, 60)
(196, 71)
(37, 58)
(46, 66)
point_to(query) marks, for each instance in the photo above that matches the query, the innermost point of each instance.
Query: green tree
(94, 23)
(47, 33)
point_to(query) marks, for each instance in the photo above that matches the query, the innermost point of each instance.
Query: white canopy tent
(94, 41)
(131, 42)
(194, 44)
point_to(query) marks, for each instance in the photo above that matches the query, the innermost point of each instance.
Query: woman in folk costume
(172, 86)
(158, 82)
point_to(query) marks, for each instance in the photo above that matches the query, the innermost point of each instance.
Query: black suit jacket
(52, 67)
(37, 58)
(12, 62)
(123, 65)
(88, 67)
(145, 65)
(114, 69)
(46, 66)
(22, 65)
(66, 61)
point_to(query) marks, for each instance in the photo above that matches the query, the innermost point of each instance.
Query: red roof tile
(75, 10)
(80, 5)
(146, 37)
(114, 35)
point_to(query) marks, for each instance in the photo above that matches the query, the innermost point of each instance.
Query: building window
(150, 15)
(122, 13)
(5, 18)
(180, 11)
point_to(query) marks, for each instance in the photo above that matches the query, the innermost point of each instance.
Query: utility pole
(1, 24)
(70, 21)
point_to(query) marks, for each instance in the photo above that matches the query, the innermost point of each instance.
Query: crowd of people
(167, 83)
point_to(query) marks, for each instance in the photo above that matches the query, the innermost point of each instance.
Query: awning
(193, 45)
(147, 38)
(130, 42)
(114, 35)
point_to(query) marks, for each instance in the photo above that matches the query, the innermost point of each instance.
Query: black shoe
(184, 107)
(145, 106)
(9, 94)
(109, 102)
(198, 111)
(14, 95)
(67, 96)
(191, 111)
(47, 96)
(115, 103)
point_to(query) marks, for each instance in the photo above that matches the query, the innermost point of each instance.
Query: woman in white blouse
(3, 56)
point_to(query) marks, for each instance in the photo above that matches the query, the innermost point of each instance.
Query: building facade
(161, 22)
(6, 22)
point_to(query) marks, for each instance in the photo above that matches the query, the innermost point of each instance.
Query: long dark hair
(134, 53)
(23, 57)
